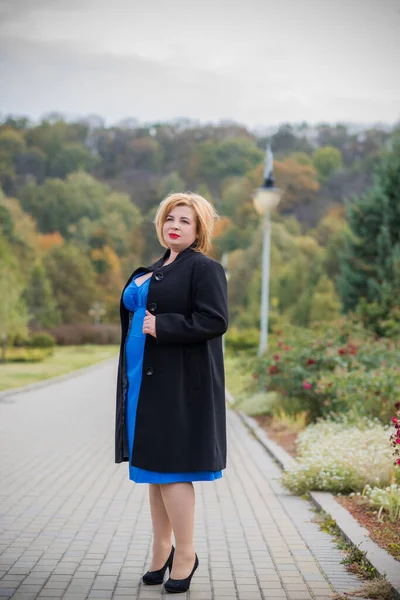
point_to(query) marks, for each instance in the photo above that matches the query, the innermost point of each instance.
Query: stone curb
(381, 560)
(57, 379)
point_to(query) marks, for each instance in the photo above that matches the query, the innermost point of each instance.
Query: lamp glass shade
(266, 198)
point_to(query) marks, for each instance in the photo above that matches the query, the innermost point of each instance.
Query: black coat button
(158, 276)
(152, 307)
(149, 371)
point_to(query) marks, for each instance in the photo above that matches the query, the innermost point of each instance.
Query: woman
(170, 417)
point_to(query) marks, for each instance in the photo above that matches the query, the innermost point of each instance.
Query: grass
(378, 588)
(238, 377)
(372, 585)
(64, 360)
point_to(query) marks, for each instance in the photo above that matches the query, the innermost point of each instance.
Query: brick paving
(73, 527)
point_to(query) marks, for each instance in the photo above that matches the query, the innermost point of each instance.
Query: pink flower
(342, 351)
(311, 361)
(277, 357)
(398, 461)
(286, 348)
(394, 420)
(397, 405)
(397, 440)
(307, 385)
(273, 369)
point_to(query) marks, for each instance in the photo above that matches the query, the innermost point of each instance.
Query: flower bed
(383, 532)
(341, 457)
(343, 370)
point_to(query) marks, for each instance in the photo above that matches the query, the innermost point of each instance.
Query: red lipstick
(174, 236)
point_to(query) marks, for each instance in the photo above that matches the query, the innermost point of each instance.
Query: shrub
(386, 499)
(335, 456)
(339, 370)
(76, 335)
(27, 355)
(42, 340)
(395, 436)
(18, 339)
(361, 392)
(242, 339)
(258, 404)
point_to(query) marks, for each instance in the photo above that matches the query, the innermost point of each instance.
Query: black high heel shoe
(176, 586)
(157, 577)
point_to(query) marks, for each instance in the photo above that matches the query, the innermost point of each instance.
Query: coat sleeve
(210, 316)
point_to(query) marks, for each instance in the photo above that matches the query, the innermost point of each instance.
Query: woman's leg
(179, 501)
(162, 528)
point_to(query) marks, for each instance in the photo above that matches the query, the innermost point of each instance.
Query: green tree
(13, 312)
(327, 160)
(57, 203)
(73, 281)
(71, 157)
(32, 162)
(6, 222)
(39, 299)
(172, 182)
(233, 156)
(51, 137)
(118, 226)
(12, 144)
(370, 265)
(325, 305)
(235, 192)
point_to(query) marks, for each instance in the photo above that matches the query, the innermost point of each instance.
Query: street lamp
(266, 197)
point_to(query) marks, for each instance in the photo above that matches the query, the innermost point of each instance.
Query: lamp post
(266, 197)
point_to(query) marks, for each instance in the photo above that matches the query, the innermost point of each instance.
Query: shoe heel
(176, 586)
(157, 577)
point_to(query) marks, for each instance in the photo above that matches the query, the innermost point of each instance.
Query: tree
(298, 180)
(40, 300)
(325, 305)
(58, 203)
(24, 235)
(71, 157)
(235, 192)
(370, 265)
(285, 141)
(32, 162)
(172, 182)
(327, 160)
(6, 222)
(234, 156)
(51, 137)
(73, 280)
(145, 153)
(13, 313)
(12, 144)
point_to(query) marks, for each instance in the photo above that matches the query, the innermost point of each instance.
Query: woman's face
(180, 228)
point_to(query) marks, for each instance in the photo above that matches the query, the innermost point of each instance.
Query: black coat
(181, 417)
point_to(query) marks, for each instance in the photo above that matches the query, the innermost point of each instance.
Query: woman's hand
(149, 324)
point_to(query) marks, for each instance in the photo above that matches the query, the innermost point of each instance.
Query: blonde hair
(205, 213)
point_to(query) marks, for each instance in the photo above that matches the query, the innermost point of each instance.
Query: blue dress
(135, 299)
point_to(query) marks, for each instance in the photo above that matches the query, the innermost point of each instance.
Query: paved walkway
(73, 526)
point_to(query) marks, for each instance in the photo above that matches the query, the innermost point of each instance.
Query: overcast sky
(257, 62)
